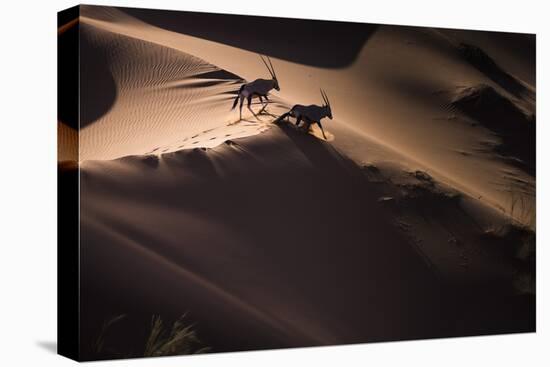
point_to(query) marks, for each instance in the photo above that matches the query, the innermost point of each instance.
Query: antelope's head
(271, 70)
(276, 84)
(326, 105)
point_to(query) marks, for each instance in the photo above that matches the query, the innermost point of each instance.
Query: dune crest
(162, 100)
(402, 105)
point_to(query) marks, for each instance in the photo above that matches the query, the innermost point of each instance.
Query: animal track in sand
(211, 138)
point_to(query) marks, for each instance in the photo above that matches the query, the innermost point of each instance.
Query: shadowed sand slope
(277, 236)
(260, 249)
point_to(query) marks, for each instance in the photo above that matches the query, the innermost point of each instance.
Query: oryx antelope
(311, 114)
(258, 88)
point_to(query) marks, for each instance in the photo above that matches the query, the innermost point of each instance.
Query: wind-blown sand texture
(415, 220)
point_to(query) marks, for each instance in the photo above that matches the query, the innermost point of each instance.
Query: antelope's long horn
(267, 66)
(272, 68)
(324, 96)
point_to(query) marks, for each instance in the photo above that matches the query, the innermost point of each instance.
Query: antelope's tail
(237, 98)
(282, 117)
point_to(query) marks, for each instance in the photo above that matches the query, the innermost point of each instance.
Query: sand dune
(283, 249)
(401, 74)
(385, 232)
(261, 251)
(161, 101)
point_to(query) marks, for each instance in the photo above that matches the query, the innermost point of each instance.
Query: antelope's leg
(323, 131)
(264, 105)
(241, 108)
(298, 120)
(248, 105)
(307, 124)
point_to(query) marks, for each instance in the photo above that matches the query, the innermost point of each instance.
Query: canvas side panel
(67, 187)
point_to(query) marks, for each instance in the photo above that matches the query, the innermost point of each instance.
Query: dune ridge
(450, 153)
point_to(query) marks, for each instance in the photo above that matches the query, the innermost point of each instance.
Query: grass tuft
(179, 339)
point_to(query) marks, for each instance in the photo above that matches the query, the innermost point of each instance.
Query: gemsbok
(258, 88)
(311, 114)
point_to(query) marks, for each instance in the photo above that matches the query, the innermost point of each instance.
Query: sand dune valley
(414, 218)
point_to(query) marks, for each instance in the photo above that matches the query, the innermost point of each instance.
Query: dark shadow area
(68, 259)
(152, 336)
(328, 257)
(49, 346)
(484, 63)
(286, 232)
(325, 44)
(488, 304)
(515, 127)
(98, 89)
(212, 78)
(220, 75)
(501, 45)
(143, 161)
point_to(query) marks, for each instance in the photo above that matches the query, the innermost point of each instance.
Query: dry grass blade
(100, 341)
(181, 339)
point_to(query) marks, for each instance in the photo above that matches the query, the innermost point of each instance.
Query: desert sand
(415, 220)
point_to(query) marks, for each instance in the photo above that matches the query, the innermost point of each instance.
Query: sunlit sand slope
(173, 91)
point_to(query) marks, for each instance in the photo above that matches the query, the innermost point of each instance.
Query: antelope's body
(259, 88)
(311, 114)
